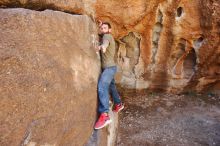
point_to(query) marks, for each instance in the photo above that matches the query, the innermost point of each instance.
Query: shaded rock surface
(48, 78)
(70, 6)
(108, 135)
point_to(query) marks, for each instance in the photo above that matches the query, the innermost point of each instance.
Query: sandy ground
(162, 119)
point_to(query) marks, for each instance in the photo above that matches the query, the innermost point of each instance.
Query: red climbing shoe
(118, 107)
(103, 121)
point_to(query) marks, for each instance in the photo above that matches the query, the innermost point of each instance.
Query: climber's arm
(104, 45)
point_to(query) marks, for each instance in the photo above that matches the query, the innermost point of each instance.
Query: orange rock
(168, 31)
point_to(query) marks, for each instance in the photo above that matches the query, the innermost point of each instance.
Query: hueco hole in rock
(167, 54)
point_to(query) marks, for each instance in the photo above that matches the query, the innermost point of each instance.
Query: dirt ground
(161, 119)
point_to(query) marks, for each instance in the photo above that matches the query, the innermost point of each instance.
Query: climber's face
(105, 29)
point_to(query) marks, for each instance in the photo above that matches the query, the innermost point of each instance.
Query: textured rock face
(168, 45)
(71, 6)
(48, 78)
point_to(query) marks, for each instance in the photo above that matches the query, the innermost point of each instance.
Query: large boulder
(48, 78)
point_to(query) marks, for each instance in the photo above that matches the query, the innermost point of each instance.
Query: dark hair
(106, 23)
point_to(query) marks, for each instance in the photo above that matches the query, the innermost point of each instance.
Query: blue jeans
(107, 83)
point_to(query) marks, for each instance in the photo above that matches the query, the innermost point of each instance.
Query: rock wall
(48, 78)
(175, 44)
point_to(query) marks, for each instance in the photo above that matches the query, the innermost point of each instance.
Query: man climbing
(106, 81)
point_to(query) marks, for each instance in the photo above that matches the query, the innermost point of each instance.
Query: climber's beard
(105, 32)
